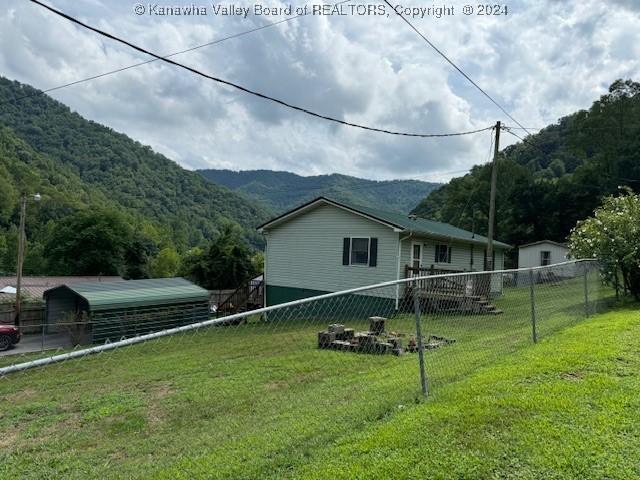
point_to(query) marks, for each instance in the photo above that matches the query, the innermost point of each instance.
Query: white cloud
(544, 60)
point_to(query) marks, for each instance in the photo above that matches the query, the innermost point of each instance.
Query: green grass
(260, 401)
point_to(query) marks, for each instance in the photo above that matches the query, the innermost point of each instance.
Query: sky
(542, 60)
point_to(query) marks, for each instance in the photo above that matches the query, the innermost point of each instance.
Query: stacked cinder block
(375, 341)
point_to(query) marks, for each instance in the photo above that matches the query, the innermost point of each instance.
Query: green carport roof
(136, 293)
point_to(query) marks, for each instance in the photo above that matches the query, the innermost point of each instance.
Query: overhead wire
(452, 63)
(248, 90)
(471, 192)
(146, 62)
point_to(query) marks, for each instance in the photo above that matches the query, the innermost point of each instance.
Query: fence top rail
(229, 318)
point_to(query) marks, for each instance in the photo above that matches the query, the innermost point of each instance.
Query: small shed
(125, 308)
(540, 254)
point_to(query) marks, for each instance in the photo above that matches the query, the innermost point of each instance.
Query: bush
(612, 236)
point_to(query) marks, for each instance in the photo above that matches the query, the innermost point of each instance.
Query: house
(540, 254)
(327, 246)
(126, 308)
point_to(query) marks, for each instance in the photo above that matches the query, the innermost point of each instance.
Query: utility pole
(492, 198)
(21, 245)
(23, 211)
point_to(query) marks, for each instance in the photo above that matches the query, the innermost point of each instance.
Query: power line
(443, 55)
(600, 127)
(524, 140)
(191, 49)
(247, 90)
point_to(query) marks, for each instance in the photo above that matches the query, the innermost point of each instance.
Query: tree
(225, 264)
(165, 264)
(258, 261)
(138, 256)
(89, 242)
(612, 235)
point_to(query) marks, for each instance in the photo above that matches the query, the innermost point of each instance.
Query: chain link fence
(243, 395)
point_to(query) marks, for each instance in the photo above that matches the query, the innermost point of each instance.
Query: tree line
(554, 179)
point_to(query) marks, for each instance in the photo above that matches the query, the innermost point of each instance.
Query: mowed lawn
(261, 401)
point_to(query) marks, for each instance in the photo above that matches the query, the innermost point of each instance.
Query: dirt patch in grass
(156, 413)
(9, 438)
(572, 376)
(20, 396)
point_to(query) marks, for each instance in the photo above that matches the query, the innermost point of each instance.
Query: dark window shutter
(346, 246)
(373, 252)
(449, 254)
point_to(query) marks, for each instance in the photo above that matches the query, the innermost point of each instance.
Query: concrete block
(367, 343)
(340, 345)
(325, 339)
(336, 328)
(376, 325)
(347, 334)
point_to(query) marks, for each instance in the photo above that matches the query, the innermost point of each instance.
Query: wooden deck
(460, 294)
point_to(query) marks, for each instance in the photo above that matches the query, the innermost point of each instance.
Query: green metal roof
(420, 226)
(136, 293)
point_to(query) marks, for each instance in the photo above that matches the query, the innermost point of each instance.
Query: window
(545, 257)
(493, 257)
(443, 254)
(416, 255)
(359, 251)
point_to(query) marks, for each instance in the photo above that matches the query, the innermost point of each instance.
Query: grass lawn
(260, 401)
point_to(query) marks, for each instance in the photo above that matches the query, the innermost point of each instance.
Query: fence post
(416, 308)
(533, 307)
(586, 292)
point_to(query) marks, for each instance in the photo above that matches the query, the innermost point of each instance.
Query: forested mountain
(78, 164)
(555, 178)
(284, 190)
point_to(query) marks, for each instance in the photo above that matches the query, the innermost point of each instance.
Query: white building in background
(540, 254)
(544, 252)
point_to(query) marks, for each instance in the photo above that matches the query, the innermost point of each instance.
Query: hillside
(116, 169)
(284, 190)
(554, 179)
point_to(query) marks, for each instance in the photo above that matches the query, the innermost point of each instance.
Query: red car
(9, 336)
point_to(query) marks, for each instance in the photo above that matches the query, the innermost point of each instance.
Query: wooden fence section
(31, 317)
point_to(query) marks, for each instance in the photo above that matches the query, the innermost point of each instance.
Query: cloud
(545, 59)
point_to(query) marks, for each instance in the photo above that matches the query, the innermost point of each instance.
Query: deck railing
(450, 285)
(247, 296)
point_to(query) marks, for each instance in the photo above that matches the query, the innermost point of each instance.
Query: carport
(126, 308)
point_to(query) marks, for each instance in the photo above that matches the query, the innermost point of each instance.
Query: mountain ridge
(282, 190)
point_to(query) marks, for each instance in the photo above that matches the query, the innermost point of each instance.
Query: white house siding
(305, 252)
(530, 256)
(460, 258)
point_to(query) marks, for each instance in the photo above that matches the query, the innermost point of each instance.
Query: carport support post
(416, 308)
(586, 291)
(533, 307)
